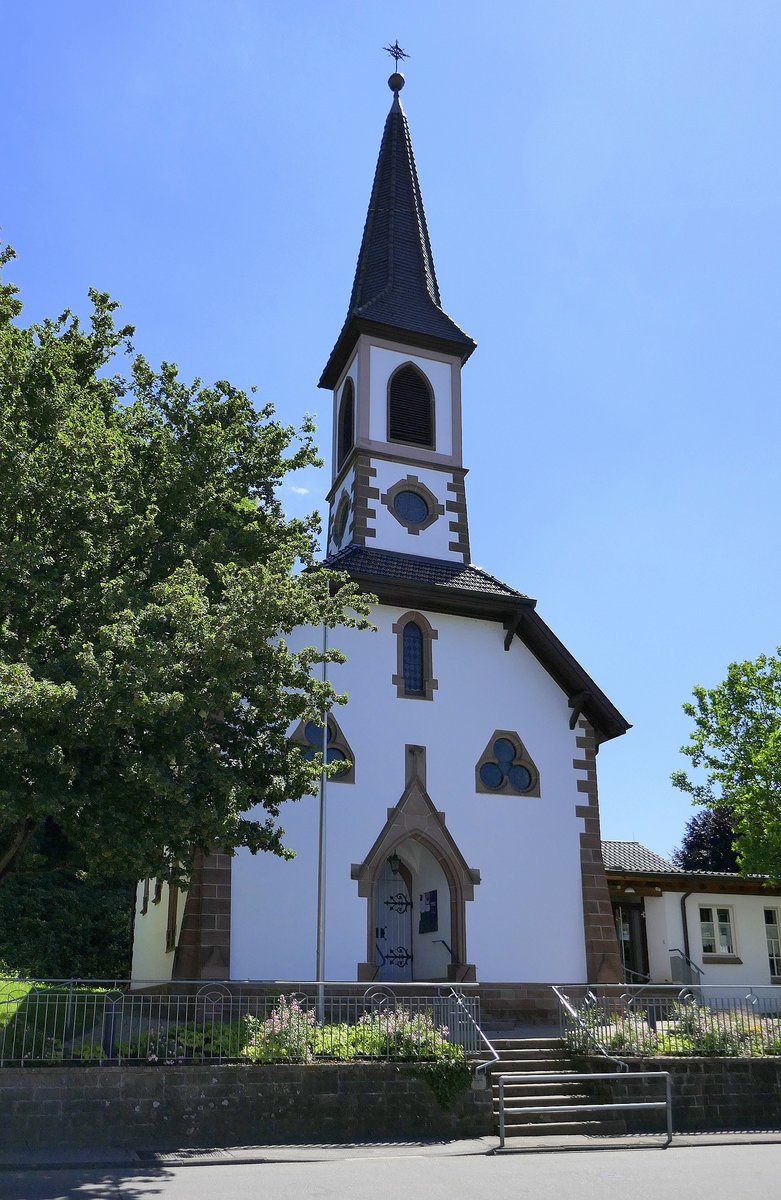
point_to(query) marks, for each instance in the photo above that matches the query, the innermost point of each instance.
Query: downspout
(321, 862)
(685, 924)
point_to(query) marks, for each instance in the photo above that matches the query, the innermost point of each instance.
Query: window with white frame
(716, 930)
(773, 941)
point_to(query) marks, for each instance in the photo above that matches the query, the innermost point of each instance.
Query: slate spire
(395, 292)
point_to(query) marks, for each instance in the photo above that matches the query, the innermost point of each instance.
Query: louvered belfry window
(413, 659)
(410, 408)
(346, 421)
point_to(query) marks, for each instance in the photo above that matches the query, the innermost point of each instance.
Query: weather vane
(396, 51)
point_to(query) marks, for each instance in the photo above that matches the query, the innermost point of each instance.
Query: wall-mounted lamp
(394, 862)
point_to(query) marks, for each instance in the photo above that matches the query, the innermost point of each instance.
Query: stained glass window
(413, 659)
(506, 767)
(411, 507)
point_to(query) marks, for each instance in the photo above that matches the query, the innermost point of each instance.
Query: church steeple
(398, 475)
(395, 290)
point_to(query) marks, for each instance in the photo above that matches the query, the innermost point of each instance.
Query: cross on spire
(396, 51)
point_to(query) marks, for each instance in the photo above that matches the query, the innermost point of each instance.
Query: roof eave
(355, 326)
(513, 611)
(602, 714)
(684, 881)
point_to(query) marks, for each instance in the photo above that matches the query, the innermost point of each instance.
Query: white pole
(320, 951)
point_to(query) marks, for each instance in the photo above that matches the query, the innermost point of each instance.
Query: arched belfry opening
(416, 884)
(346, 423)
(410, 407)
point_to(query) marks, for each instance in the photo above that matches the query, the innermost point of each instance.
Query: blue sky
(603, 190)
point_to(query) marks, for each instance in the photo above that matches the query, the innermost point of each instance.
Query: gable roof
(395, 290)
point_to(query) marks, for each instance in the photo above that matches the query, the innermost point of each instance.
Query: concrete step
(533, 1066)
(533, 1101)
(560, 1128)
(527, 1043)
(516, 1091)
(541, 1054)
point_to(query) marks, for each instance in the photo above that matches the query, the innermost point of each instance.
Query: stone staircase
(545, 1056)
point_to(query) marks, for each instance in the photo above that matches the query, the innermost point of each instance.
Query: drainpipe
(320, 950)
(685, 924)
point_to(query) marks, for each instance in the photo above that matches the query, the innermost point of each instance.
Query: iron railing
(44, 1022)
(587, 1106)
(657, 1019)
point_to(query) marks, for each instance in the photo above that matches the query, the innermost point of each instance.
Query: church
(462, 841)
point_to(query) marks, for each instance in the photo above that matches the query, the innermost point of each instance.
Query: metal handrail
(641, 976)
(489, 1062)
(572, 1012)
(614, 1106)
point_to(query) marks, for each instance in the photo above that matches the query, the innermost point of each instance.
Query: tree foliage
(55, 924)
(147, 584)
(708, 842)
(736, 745)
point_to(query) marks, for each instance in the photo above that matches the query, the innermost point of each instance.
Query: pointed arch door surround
(416, 818)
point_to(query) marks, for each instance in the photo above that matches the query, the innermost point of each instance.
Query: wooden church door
(393, 915)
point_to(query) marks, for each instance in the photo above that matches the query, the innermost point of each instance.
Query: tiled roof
(631, 856)
(395, 283)
(390, 565)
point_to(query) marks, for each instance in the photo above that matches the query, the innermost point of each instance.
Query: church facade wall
(526, 919)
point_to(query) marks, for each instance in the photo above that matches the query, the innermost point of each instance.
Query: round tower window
(410, 507)
(340, 523)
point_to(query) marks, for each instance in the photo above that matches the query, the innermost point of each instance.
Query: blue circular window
(504, 750)
(410, 507)
(314, 734)
(519, 778)
(491, 775)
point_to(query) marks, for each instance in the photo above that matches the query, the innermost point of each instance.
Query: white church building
(463, 842)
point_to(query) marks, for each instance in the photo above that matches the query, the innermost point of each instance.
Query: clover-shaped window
(309, 735)
(506, 767)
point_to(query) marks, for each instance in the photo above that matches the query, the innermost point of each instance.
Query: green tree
(147, 584)
(736, 745)
(708, 842)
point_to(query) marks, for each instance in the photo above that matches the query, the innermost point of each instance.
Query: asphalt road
(718, 1172)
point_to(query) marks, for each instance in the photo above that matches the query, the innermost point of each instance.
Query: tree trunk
(20, 840)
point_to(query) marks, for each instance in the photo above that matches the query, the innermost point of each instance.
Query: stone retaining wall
(160, 1107)
(707, 1093)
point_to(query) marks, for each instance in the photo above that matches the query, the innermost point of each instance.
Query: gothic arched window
(346, 423)
(414, 676)
(410, 407)
(412, 657)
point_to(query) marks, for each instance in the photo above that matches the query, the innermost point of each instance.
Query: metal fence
(697, 1020)
(45, 1022)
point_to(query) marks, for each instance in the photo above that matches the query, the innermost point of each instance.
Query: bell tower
(395, 371)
